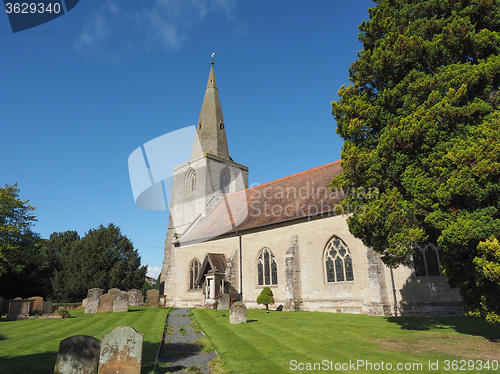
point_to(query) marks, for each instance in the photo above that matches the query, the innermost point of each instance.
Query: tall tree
(103, 258)
(421, 126)
(15, 229)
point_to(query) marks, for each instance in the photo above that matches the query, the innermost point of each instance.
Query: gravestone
(106, 303)
(78, 354)
(37, 303)
(114, 291)
(47, 307)
(91, 305)
(19, 309)
(223, 301)
(121, 351)
(121, 303)
(238, 313)
(279, 308)
(4, 305)
(135, 297)
(94, 292)
(84, 303)
(153, 298)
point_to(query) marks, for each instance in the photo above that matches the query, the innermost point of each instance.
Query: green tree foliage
(421, 125)
(103, 258)
(266, 297)
(488, 266)
(22, 266)
(15, 229)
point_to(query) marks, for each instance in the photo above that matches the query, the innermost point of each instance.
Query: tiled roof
(300, 195)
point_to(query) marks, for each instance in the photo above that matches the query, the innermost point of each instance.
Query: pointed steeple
(210, 133)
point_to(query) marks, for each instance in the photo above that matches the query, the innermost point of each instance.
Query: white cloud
(153, 271)
(164, 23)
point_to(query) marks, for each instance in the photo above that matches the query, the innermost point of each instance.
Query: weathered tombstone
(37, 303)
(78, 354)
(279, 308)
(94, 292)
(92, 305)
(121, 303)
(121, 351)
(47, 307)
(223, 301)
(135, 297)
(153, 298)
(19, 309)
(238, 313)
(4, 305)
(84, 303)
(106, 303)
(114, 291)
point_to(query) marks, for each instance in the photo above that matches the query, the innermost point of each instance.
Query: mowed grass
(269, 342)
(30, 346)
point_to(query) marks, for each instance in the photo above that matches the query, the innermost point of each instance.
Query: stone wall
(303, 272)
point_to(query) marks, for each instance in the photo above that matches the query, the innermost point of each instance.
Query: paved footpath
(179, 351)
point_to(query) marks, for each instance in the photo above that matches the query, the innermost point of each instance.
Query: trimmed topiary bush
(266, 297)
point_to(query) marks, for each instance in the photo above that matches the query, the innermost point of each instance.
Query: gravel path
(180, 352)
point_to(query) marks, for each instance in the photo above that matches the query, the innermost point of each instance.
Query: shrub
(266, 297)
(63, 312)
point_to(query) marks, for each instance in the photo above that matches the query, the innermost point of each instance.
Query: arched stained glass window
(190, 181)
(267, 268)
(426, 260)
(194, 269)
(338, 261)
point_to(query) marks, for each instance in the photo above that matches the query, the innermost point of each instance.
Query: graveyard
(264, 342)
(31, 345)
(285, 342)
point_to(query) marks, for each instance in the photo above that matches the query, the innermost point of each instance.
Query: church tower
(200, 182)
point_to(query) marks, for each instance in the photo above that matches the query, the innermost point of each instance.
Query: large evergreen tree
(421, 125)
(103, 258)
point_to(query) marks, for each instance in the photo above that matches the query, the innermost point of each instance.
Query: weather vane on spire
(213, 57)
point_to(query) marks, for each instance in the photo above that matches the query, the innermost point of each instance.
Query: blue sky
(80, 93)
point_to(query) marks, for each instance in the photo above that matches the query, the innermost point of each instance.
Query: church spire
(210, 133)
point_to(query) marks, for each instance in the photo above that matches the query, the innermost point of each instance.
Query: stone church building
(288, 234)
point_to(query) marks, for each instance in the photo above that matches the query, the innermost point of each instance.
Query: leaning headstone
(121, 351)
(153, 298)
(114, 291)
(91, 305)
(19, 309)
(78, 354)
(94, 292)
(238, 313)
(106, 303)
(135, 297)
(37, 303)
(121, 303)
(223, 301)
(47, 307)
(4, 305)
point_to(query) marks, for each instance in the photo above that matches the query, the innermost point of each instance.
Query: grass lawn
(30, 346)
(269, 342)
